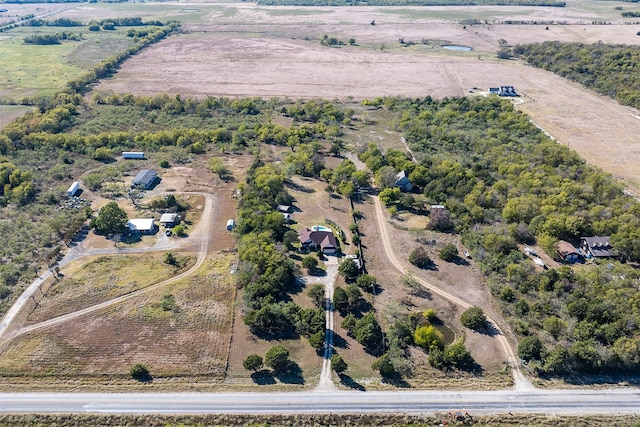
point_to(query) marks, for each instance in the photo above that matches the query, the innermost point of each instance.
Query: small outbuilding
(170, 219)
(138, 155)
(402, 182)
(568, 252)
(146, 179)
(230, 224)
(73, 189)
(141, 226)
(284, 208)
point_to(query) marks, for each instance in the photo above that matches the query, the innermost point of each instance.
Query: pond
(456, 47)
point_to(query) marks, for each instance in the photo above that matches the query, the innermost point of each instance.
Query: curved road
(520, 381)
(201, 232)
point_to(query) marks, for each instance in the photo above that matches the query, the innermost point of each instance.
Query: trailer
(133, 155)
(73, 189)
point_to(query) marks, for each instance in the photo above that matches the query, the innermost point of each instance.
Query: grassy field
(181, 330)
(104, 278)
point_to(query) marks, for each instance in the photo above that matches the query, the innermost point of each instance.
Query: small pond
(455, 47)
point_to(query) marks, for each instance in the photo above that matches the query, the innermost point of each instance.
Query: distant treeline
(611, 70)
(551, 3)
(49, 39)
(630, 14)
(66, 22)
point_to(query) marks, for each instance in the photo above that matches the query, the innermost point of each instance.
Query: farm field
(272, 57)
(187, 329)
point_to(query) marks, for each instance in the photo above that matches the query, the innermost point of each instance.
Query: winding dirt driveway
(521, 383)
(200, 234)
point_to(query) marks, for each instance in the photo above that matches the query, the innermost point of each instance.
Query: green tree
(383, 365)
(368, 332)
(389, 196)
(366, 282)
(338, 364)
(140, 372)
(310, 263)
(277, 358)
(316, 340)
(253, 362)
(530, 348)
(317, 295)
(170, 259)
(449, 253)
(111, 219)
(349, 270)
(474, 318)
(340, 299)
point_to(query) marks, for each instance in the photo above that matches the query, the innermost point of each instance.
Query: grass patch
(104, 278)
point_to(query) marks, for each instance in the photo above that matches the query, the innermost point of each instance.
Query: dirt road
(520, 381)
(201, 235)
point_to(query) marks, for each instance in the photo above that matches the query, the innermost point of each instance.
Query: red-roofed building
(319, 240)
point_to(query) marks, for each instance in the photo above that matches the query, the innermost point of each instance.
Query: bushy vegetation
(608, 69)
(505, 183)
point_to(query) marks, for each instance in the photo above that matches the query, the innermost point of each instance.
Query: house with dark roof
(146, 179)
(322, 240)
(568, 252)
(402, 182)
(597, 247)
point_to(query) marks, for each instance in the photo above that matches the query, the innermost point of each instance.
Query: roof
(402, 177)
(565, 248)
(323, 239)
(168, 217)
(283, 208)
(141, 224)
(145, 177)
(599, 246)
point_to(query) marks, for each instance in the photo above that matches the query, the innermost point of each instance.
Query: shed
(146, 178)
(73, 189)
(141, 225)
(169, 219)
(284, 208)
(230, 224)
(133, 155)
(402, 181)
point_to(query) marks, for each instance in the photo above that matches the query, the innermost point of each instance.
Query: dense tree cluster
(505, 183)
(608, 69)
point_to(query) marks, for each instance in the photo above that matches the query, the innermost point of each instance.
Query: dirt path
(520, 381)
(200, 234)
(326, 383)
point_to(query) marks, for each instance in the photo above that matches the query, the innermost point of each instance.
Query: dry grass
(309, 420)
(102, 279)
(190, 339)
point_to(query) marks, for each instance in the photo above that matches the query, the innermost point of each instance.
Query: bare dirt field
(259, 51)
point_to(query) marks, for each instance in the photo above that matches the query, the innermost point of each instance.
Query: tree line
(608, 69)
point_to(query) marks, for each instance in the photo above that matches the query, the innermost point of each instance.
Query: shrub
(338, 364)
(340, 299)
(474, 318)
(164, 164)
(140, 372)
(428, 337)
(253, 362)
(317, 340)
(449, 253)
(420, 258)
(530, 348)
(310, 263)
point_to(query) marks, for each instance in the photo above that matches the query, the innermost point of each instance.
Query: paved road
(560, 402)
